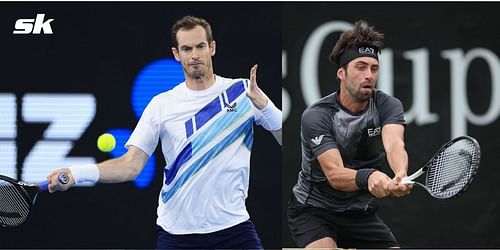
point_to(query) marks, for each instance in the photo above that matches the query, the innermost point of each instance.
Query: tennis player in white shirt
(205, 125)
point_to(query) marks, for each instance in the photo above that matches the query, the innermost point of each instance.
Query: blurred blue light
(157, 77)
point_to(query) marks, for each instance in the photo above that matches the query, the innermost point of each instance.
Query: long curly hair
(361, 35)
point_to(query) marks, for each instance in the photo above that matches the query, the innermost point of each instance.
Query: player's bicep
(137, 157)
(393, 136)
(124, 168)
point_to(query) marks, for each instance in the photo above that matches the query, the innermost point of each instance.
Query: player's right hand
(379, 184)
(55, 183)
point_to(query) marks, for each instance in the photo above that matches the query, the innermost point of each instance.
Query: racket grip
(44, 185)
(407, 180)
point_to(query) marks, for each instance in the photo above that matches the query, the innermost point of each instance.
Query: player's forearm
(393, 139)
(343, 179)
(397, 158)
(118, 170)
(259, 99)
(271, 117)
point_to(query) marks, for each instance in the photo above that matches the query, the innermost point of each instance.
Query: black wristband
(362, 177)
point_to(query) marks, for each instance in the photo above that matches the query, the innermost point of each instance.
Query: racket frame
(29, 192)
(410, 179)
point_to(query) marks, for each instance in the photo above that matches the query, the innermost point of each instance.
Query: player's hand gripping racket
(451, 170)
(17, 199)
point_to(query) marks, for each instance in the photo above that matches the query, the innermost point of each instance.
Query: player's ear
(212, 47)
(341, 73)
(176, 54)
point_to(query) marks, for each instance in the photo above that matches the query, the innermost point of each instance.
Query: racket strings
(452, 169)
(14, 208)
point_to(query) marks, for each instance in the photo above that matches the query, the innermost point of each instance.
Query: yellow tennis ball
(106, 142)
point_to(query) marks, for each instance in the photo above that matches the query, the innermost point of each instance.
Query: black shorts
(308, 224)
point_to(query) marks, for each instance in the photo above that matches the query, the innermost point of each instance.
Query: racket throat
(409, 179)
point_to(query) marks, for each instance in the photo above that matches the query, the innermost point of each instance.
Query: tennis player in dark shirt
(346, 138)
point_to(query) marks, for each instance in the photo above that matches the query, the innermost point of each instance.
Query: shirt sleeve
(146, 134)
(390, 110)
(269, 118)
(317, 131)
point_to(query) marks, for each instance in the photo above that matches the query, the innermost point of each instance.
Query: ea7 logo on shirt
(33, 26)
(317, 140)
(230, 108)
(373, 132)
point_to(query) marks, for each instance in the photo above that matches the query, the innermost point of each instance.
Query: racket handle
(44, 185)
(407, 180)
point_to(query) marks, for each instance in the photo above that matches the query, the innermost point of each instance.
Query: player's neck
(200, 83)
(351, 103)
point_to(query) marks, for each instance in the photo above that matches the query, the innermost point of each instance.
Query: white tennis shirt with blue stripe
(206, 138)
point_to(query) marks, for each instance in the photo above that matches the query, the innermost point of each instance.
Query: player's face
(361, 77)
(194, 52)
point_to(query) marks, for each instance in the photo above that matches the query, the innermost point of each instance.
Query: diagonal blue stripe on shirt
(182, 158)
(234, 91)
(189, 127)
(220, 125)
(213, 107)
(207, 112)
(211, 132)
(246, 129)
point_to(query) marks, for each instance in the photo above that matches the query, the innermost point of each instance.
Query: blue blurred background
(95, 74)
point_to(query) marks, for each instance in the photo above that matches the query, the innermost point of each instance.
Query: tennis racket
(451, 170)
(17, 199)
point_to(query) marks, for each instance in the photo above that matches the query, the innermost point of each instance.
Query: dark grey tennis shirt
(326, 125)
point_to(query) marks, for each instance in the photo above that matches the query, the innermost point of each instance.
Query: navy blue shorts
(241, 236)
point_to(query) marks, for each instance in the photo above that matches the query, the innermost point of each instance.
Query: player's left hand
(256, 95)
(398, 189)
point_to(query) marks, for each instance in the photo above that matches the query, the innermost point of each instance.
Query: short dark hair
(188, 23)
(361, 35)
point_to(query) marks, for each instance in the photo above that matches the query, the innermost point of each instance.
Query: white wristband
(271, 116)
(85, 174)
